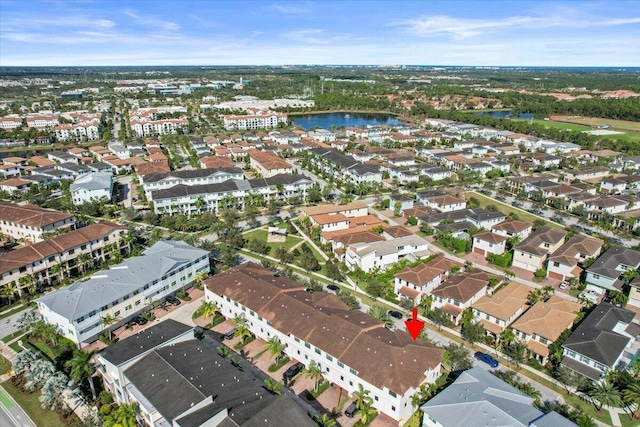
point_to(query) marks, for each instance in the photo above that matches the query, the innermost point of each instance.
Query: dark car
(292, 371)
(395, 314)
(139, 320)
(351, 410)
(173, 300)
(501, 198)
(228, 335)
(334, 288)
(557, 219)
(486, 358)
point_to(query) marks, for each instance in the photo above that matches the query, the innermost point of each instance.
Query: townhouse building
(161, 181)
(445, 203)
(563, 263)
(606, 339)
(499, 310)
(42, 121)
(532, 253)
(330, 222)
(350, 210)
(122, 291)
(231, 193)
(460, 292)
(350, 347)
(369, 256)
(169, 352)
(31, 221)
(268, 164)
(10, 122)
(543, 324)
(38, 259)
(416, 282)
(144, 126)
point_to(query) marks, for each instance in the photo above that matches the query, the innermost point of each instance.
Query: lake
(327, 120)
(503, 114)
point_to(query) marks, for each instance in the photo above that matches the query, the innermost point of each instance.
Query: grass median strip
(4, 399)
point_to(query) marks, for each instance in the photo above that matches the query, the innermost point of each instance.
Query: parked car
(292, 371)
(173, 300)
(139, 320)
(486, 358)
(564, 285)
(395, 314)
(334, 288)
(351, 410)
(228, 335)
(516, 203)
(557, 219)
(501, 198)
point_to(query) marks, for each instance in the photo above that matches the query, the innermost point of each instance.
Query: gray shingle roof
(477, 398)
(120, 280)
(606, 264)
(595, 337)
(192, 174)
(93, 181)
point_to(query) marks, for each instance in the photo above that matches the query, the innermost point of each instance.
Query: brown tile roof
(578, 244)
(149, 168)
(366, 236)
(361, 221)
(534, 244)
(379, 356)
(217, 162)
(30, 215)
(424, 273)
(512, 225)
(14, 182)
(325, 209)
(405, 290)
(488, 236)
(24, 256)
(462, 287)
(397, 231)
(337, 234)
(329, 218)
(504, 303)
(41, 161)
(269, 160)
(548, 319)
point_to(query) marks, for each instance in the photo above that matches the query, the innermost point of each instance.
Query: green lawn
(556, 125)
(626, 136)
(4, 399)
(30, 404)
(262, 235)
(316, 254)
(12, 336)
(5, 365)
(507, 209)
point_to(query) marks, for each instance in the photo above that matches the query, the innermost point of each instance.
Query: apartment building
(369, 256)
(91, 187)
(350, 347)
(161, 181)
(31, 221)
(231, 193)
(37, 260)
(123, 290)
(262, 119)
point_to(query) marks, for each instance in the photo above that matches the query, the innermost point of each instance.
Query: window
(329, 358)
(307, 345)
(375, 398)
(393, 408)
(341, 364)
(318, 351)
(556, 264)
(296, 339)
(116, 314)
(392, 394)
(353, 371)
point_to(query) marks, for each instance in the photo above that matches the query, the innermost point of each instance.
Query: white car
(589, 296)
(564, 285)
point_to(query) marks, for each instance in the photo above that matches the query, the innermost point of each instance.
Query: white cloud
(462, 28)
(308, 35)
(298, 8)
(152, 21)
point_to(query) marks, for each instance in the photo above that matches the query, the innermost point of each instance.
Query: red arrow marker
(414, 326)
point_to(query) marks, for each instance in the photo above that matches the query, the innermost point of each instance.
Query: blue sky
(206, 32)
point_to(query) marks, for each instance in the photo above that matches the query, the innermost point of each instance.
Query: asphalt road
(13, 416)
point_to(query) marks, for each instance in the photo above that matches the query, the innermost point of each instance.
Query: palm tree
(378, 312)
(314, 372)
(223, 351)
(325, 420)
(603, 393)
(366, 414)
(507, 336)
(82, 261)
(81, 368)
(275, 348)
(25, 282)
(107, 321)
(208, 309)
(9, 292)
(57, 271)
(362, 397)
(200, 276)
(274, 387)
(631, 397)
